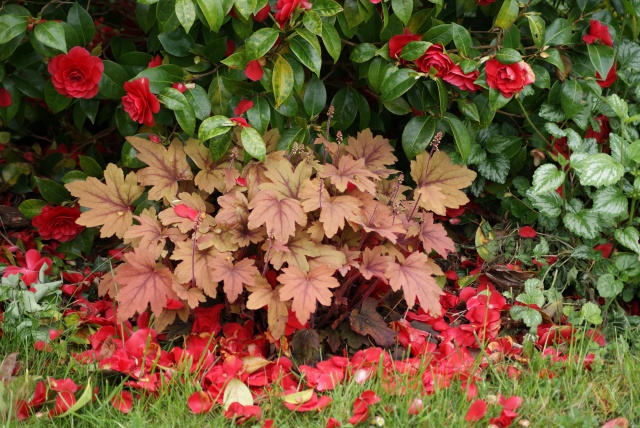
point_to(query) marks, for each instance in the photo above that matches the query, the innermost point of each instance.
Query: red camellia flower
(139, 102)
(598, 33)
(156, 61)
(459, 79)
(76, 74)
(509, 79)
(611, 77)
(396, 43)
(527, 232)
(603, 135)
(485, 2)
(5, 98)
(286, 8)
(58, 223)
(242, 107)
(254, 70)
(436, 58)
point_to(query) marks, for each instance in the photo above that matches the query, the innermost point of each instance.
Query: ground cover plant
(374, 211)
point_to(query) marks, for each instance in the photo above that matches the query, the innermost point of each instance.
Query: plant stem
(526, 116)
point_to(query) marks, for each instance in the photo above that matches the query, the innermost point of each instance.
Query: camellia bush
(312, 171)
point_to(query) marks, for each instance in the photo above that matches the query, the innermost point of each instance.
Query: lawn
(553, 395)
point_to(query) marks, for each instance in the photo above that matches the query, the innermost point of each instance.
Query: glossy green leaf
(397, 84)
(212, 12)
(601, 57)
(402, 9)
(54, 99)
(214, 126)
(90, 167)
(461, 38)
(362, 53)
(414, 50)
(558, 33)
(508, 56)
(282, 80)
(11, 27)
(198, 99)
(173, 99)
(253, 143)
(112, 81)
(186, 119)
(307, 54)
(507, 14)
(326, 7)
(259, 115)
(312, 22)
(51, 33)
(572, 98)
(417, 135)
(537, 27)
(186, 13)
(460, 135)
(162, 76)
(346, 108)
(82, 23)
(246, 7)
(331, 41)
(31, 207)
(443, 96)
(315, 97)
(260, 42)
(52, 192)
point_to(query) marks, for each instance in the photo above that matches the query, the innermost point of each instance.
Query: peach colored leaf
(413, 276)
(142, 282)
(285, 181)
(109, 202)
(107, 285)
(375, 151)
(233, 275)
(295, 252)
(168, 316)
(279, 216)
(352, 258)
(196, 263)
(439, 186)
(307, 289)
(165, 167)
(169, 217)
(379, 218)
(208, 178)
(253, 173)
(434, 237)
(277, 312)
(233, 207)
(335, 211)
(149, 235)
(374, 263)
(352, 171)
(192, 295)
(328, 256)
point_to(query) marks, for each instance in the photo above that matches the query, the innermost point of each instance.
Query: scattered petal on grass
(200, 402)
(240, 414)
(306, 401)
(617, 423)
(64, 401)
(123, 401)
(416, 406)
(476, 411)
(370, 397)
(333, 423)
(63, 385)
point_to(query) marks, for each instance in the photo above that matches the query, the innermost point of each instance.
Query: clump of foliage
(297, 177)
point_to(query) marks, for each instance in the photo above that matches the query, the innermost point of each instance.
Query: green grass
(573, 398)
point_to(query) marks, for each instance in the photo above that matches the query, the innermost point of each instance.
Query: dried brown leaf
(367, 321)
